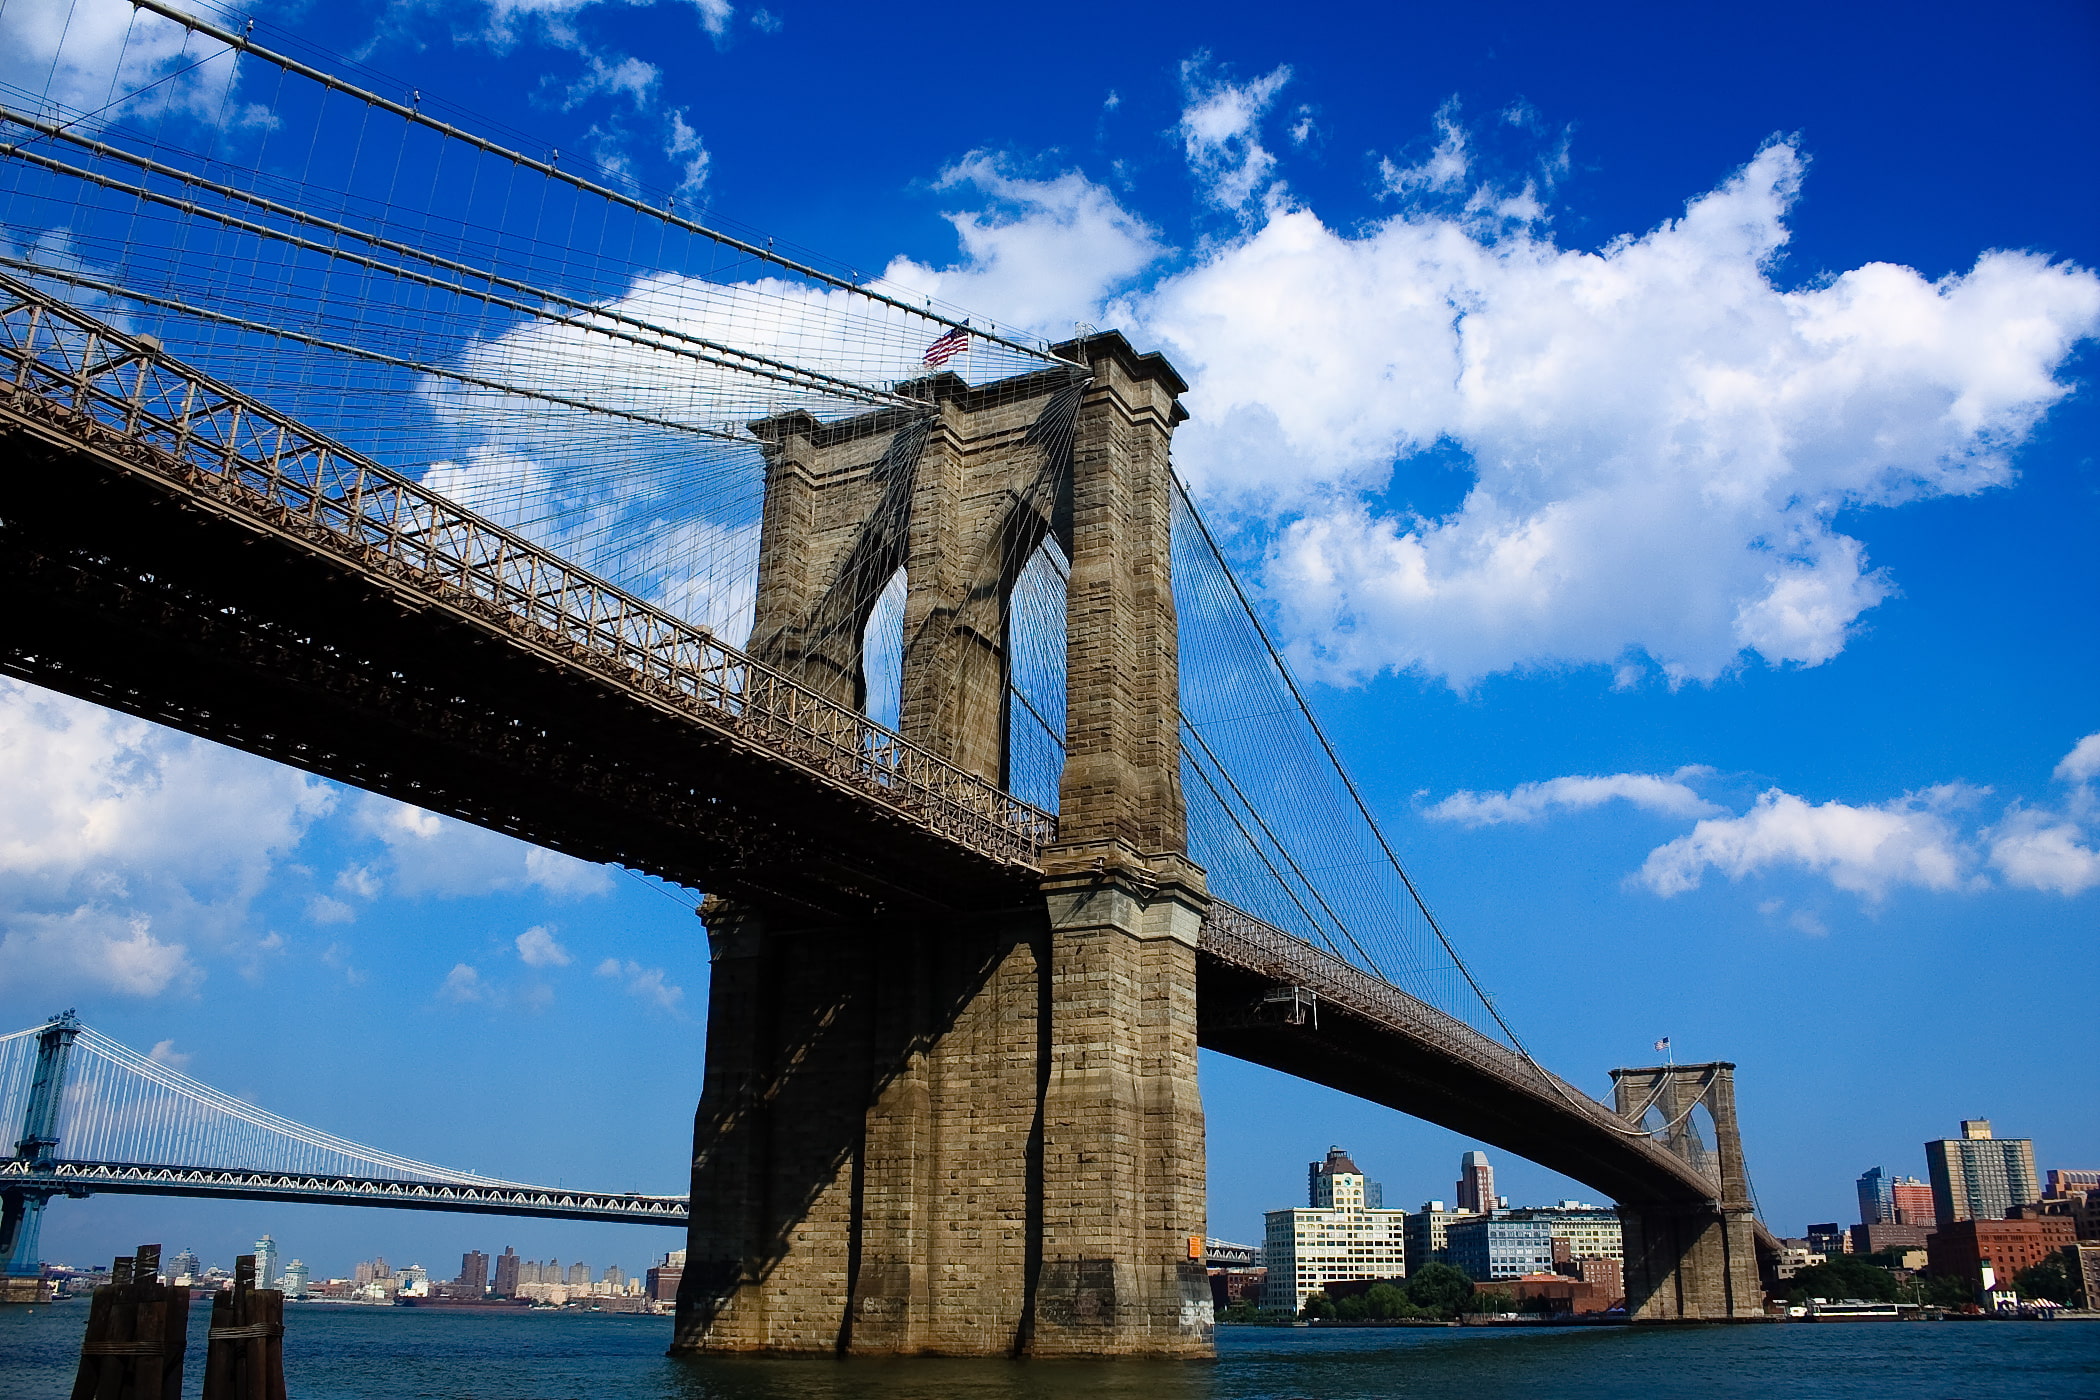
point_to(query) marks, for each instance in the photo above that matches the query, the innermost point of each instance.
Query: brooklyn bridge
(435, 467)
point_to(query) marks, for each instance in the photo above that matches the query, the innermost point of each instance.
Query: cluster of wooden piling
(138, 1333)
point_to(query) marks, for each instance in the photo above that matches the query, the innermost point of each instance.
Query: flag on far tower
(947, 347)
(1663, 1044)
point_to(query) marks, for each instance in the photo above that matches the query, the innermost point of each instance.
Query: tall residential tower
(1980, 1177)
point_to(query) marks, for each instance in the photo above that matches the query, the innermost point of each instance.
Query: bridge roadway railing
(122, 395)
(480, 1198)
(1233, 936)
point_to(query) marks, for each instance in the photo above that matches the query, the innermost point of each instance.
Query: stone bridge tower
(1687, 1263)
(970, 1130)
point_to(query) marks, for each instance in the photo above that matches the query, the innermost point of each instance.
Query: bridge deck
(227, 1183)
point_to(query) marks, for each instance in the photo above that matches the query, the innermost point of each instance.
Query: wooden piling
(137, 1332)
(244, 1350)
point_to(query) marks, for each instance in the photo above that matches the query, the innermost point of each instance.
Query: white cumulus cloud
(435, 855)
(126, 848)
(1221, 131)
(645, 984)
(105, 58)
(1041, 253)
(1660, 435)
(1866, 850)
(2082, 763)
(1667, 794)
(538, 947)
(2056, 850)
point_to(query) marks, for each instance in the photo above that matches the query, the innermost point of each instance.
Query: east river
(345, 1353)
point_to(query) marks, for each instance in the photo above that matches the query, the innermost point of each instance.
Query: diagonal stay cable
(1282, 850)
(552, 172)
(592, 324)
(377, 357)
(844, 387)
(1255, 846)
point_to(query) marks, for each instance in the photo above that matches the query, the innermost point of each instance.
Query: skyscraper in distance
(1877, 1198)
(1913, 1201)
(1476, 1182)
(1980, 1177)
(507, 1267)
(473, 1270)
(266, 1271)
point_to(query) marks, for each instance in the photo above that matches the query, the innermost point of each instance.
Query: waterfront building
(2082, 1262)
(1580, 1231)
(1894, 1235)
(661, 1282)
(1980, 1177)
(184, 1268)
(1490, 1247)
(295, 1279)
(1794, 1256)
(615, 1276)
(1428, 1230)
(473, 1272)
(1961, 1249)
(1338, 1235)
(507, 1264)
(1608, 1276)
(1321, 1178)
(372, 1271)
(411, 1276)
(579, 1275)
(1476, 1182)
(266, 1262)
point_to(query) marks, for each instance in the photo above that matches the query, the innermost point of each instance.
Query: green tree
(1492, 1301)
(1385, 1302)
(1938, 1292)
(1843, 1276)
(2048, 1279)
(1317, 1306)
(1351, 1309)
(1438, 1290)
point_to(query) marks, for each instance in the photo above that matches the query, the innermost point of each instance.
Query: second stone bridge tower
(970, 1130)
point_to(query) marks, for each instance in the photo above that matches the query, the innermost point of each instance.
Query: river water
(351, 1353)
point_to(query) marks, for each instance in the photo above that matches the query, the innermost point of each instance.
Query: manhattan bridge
(340, 431)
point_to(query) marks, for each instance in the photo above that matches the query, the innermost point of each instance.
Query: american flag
(1663, 1044)
(947, 347)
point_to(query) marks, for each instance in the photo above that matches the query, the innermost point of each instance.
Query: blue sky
(1707, 605)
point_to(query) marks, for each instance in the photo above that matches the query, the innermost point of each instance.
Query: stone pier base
(974, 1137)
(1691, 1264)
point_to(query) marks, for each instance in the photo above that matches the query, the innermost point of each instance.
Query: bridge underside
(1689, 1257)
(1356, 1055)
(131, 591)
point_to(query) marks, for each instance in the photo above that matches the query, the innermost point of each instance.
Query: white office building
(1338, 1236)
